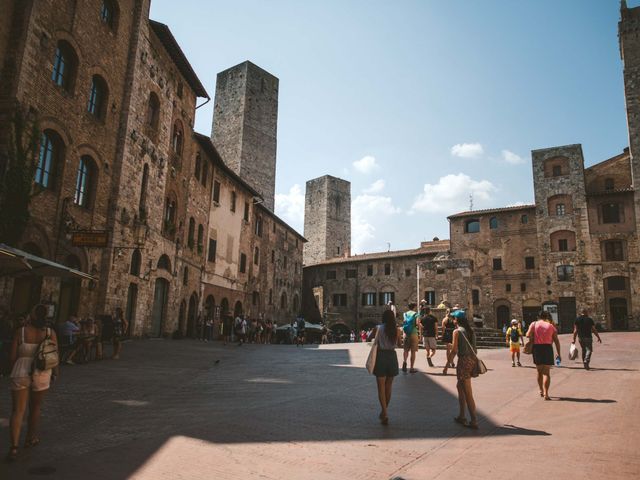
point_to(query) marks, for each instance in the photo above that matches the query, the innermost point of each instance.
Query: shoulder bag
(480, 368)
(528, 348)
(373, 354)
(46, 355)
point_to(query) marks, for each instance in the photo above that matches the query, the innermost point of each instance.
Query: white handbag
(373, 353)
(573, 351)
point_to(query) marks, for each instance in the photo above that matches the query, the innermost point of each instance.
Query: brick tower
(245, 123)
(327, 219)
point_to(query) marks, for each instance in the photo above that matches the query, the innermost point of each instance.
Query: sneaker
(513, 364)
(429, 361)
(586, 365)
(70, 362)
(404, 367)
(519, 364)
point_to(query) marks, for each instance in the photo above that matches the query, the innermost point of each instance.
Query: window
(563, 245)
(439, 271)
(493, 223)
(48, 159)
(273, 256)
(136, 261)
(97, 97)
(331, 274)
(205, 174)
(497, 264)
(216, 192)
(338, 250)
(246, 211)
(386, 297)
(524, 219)
(560, 209)
(284, 261)
(180, 89)
(523, 287)
(565, 273)
(164, 263)
(109, 14)
(64, 66)
(508, 287)
(351, 273)
(430, 297)
(369, 299)
(258, 226)
(153, 112)
(233, 201)
(213, 245)
(472, 226)
(243, 263)
(296, 268)
(608, 184)
(339, 299)
(556, 171)
(142, 205)
(475, 297)
(200, 238)
(196, 173)
(185, 276)
(387, 269)
(529, 263)
(611, 213)
(613, 251)
(170, 208)
(407, 272)
(177, 138)
(192, 233)
(85, 182)
(616, 283)
(369, 270)
(256, 256)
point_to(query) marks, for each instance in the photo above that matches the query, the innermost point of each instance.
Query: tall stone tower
(327, 219)
(629, 35)
(245, 124)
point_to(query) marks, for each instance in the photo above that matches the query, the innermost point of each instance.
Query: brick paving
(167, 410)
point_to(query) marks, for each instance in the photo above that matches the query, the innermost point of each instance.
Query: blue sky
(418, 103)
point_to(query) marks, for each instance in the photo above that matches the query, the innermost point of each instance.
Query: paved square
(167, 410)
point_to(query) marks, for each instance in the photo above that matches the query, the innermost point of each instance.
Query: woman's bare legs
(387, 389)
(461, 398)
(546, 375)
(35, 406)
(382, 396)
(20, 399)
(540, 368)
(471, 403)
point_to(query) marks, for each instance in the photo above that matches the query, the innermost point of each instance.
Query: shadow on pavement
(513, 430)
(584, 400)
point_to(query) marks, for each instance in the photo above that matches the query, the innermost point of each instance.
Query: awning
(16, 263)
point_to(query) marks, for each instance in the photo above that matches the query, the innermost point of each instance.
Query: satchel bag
(528, 348)
(46, 355)
(479, 368)
(373, 354)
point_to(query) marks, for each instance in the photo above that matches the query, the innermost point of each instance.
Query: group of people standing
(247, 331)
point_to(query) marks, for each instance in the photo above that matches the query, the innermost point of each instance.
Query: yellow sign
(97, 239)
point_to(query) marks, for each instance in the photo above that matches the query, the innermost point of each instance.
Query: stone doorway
(567, 313)
(503, 314)
(619, 312)
(159, 310)
(191, 317)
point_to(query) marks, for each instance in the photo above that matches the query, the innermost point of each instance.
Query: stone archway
(191, 316)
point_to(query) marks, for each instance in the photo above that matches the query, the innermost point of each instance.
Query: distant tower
(245, 124)
(327, 219)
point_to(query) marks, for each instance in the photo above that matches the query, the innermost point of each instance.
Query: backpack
(515, 335)
(409, 323)
(46, 355)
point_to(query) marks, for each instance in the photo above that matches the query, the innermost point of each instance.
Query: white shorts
(429, 342)
(37, 382)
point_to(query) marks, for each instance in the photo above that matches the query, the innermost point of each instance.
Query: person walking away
(208, 329)
(464, 345)
(410, 330)
(301, 331)
(584, 328)
(544, 333)
(448, 327)
(514, 334)
(386, 367)
(28, 385)
(69, 331)
(227, 322)
(429, 327)
(120, 327)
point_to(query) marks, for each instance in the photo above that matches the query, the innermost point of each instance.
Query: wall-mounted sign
(97, 239)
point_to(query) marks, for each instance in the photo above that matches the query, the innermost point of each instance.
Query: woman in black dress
(448, 326)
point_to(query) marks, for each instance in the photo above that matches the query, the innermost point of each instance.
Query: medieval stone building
(186, 231)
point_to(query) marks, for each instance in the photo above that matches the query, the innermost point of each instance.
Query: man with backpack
(429, 328)
(410, 330)
(514, 334)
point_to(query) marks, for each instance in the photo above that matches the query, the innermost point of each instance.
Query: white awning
(16, 263)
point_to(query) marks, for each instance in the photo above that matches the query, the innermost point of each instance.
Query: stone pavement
(167, 410)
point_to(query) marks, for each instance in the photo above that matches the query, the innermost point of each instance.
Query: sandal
(12, 455)
(384, 420)
(460, 420)
(32, 442)
(472, 425)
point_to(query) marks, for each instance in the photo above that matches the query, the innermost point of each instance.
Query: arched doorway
(69, 299)
(224, 307)
(132, 303)
(530, 310)
(159, 310)
(182, 317)
(26, 290)
(296, 303)
(191, 316)
(503, 314)
(283, 301)
(209, 307)
(237, 309)
(618, 311)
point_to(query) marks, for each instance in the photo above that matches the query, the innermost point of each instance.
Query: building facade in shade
(114, 98)
(575, 247)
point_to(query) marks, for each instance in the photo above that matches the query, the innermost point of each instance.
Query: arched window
(65, 64)
(109, 14)
(563, 241)
(50, 156)
(170, 208)
(283, 301)
(192, 232)
(200, 238)
(609, 184)
(472, 226)
(153, 111)
(85, 182)
(97, 97)
(177, 138)
(185, 276)
(255, 298)
(256, 256)
(560, 205)
(198, 166)
(205, 173)
(136, 261)
(142, 206)
(295, 303)
(164, 263)
(493, 223)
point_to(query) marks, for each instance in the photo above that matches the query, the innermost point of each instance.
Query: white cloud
(451, 195)
(368, 212)
(375, 187)
(512, 158)
(290, 206)
(366, 164)
(467, 150)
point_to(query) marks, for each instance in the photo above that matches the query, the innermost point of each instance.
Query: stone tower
(327, 219)
(245, 123)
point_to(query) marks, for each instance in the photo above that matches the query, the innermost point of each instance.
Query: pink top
(543, 332)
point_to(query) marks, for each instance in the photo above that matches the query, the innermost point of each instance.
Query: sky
(422, 105)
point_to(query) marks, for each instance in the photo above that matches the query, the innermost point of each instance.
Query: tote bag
(373, 354)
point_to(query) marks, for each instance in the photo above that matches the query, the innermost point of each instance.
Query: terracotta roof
(170, 44)
(472, 213)
(434, 247)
